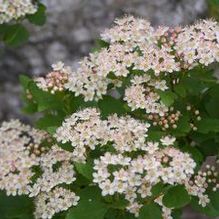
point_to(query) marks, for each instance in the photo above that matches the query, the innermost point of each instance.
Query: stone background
(70, 33)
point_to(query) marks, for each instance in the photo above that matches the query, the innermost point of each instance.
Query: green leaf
(24, 80)
(90, 192)
(19, 207)
(167, 97)
(39, 18)
(214, 197)
(85, 169)
(150, 211)
(74, 103)
(183, 126)
(88, 209)
(176, 197)
(155, 135)
(99, 44)
(204, 75)
(176, 214)
(209, 147)
(15, 35)
(207, 125)
(45, 100)
(211, 101)
(193, 86)
(118, 214)
(109, 105)
(29, 106)
(90, 205)
(180, 90)
(157, 189)
(118, 203)
(49, 122)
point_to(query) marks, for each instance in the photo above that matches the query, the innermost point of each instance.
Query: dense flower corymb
(57, 200)
(135, 45)
(20, 150)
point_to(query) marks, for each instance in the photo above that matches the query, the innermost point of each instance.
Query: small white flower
(167, 140)
(58, 66)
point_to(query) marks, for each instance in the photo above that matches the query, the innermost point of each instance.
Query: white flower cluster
(14, 9)
(135, 177)
(55, 80)
(127, 133)
(19, 151)
(142, 95)
(129, 29)
(199, 43)
(135, 46)
(48, 204)
(57, 169)
(22, 151)
(51, 177)
(85, 130)
(91, 80)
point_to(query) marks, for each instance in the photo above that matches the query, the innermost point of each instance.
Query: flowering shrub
(12, 13)
(126, 135)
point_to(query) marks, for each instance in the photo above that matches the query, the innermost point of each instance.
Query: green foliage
(29, 106)
(176, 197)
(109, 105)
(150, 211)
(90, 205)
(183, 126)
(207, 125)
(118, 203)
(88, 209)
(167, 97)
(15, 207)
(85, 169)
(157, 189)
(50, 122)
(14, 35)
(213, 9)
(99, 44)
(117, 214)
(44, 100)
(211, 102)
(39, 18)
(176, 214)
